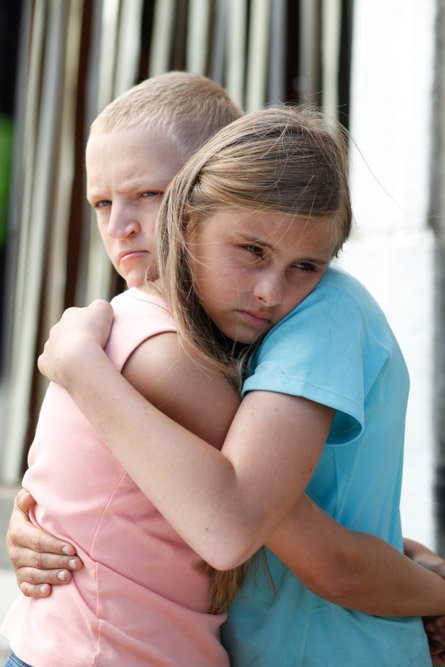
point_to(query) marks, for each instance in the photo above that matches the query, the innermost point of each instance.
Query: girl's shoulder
(339, 323)
(339, 300)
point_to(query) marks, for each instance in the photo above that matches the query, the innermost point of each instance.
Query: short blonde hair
(184, 108)
(281, 158)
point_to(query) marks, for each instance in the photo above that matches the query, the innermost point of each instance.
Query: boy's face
(127, 173)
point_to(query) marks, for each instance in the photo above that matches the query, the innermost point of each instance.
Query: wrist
(81, 366)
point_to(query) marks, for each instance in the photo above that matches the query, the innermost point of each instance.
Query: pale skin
(355, 582)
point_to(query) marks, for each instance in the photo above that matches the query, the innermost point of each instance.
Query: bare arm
(227, 502)
(396, 579)
(362, 572)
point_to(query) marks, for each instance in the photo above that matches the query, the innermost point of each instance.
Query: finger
(436, 628)
(31, 591)
(24, 501)
(45, 562)
(29, 575)
(22, 533)
(437, 651)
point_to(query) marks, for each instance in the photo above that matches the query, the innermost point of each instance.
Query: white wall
(391, 250)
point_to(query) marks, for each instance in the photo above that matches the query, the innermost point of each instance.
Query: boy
(124, 608)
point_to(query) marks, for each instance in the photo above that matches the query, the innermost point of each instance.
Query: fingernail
(72, 564)
(67, 549)
(43, 588)
(62, 575)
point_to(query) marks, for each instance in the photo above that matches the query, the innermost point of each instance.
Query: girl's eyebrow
(264, 244)
(314, 260)
(255, 239)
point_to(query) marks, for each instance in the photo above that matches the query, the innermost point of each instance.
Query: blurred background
(376, 66)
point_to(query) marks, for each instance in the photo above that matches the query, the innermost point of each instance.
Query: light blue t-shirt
(335, 348)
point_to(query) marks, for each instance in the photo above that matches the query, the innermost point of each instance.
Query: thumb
(24, 501)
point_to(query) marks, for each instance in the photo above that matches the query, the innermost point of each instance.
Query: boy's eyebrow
(144, 184)
(137, 184)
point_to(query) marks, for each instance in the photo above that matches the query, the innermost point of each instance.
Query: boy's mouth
(132, 254)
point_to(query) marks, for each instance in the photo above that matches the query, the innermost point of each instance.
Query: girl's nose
(269, 290)
(121, 225)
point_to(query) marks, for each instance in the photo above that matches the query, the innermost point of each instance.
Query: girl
(246, 236)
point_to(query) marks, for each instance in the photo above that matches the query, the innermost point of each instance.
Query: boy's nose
(121, 226)
(269, 290)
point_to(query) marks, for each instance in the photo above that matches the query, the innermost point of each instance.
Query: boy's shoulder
(138, 316)
(135, 303)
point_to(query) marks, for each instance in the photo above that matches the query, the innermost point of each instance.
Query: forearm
(421, 554)
(145, 442)
(355, 570)
(197, 488)
(224, 504)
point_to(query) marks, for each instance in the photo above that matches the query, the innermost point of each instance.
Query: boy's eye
(102, 203)
(150, 194)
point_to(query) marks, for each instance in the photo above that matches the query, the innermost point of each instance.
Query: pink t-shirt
(142, 596)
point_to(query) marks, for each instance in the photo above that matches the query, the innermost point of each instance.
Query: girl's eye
(306, 266)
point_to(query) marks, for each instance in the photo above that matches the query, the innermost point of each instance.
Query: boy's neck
(151, 287)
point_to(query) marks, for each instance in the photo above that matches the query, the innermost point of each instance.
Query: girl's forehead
(278, 231)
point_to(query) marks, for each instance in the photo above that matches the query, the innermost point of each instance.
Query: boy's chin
(140, 279)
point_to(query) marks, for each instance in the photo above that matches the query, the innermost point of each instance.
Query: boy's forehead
(131, 154)
(139, 138)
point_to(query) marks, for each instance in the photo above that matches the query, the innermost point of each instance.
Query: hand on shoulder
(73, 342)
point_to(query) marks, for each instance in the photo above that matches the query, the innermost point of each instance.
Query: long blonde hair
(282, 158)
(278, 159)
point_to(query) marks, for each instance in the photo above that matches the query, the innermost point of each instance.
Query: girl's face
(250, 269)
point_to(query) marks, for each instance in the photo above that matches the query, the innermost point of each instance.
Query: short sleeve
(138, 316)
(317, 352)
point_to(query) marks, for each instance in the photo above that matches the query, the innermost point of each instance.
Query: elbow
(228, 551)
(228, 555)
(338, 581)
(221, 562)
